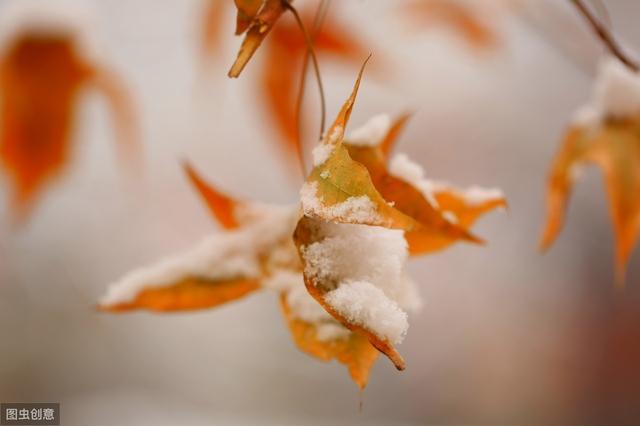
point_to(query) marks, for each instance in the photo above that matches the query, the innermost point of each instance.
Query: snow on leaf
(341, 189)
(433, 210)
(187, 294)
(323, 279)
(256, 252)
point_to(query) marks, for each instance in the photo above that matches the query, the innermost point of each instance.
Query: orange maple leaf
(606, 134)
(330, 249)
(41, 79)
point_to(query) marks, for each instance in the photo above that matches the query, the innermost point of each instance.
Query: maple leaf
(461, 17)
(346, 192)
(444, 212)
(255, 19)
(256, 252)
(606, 133)
(41, 79)
(341, 279)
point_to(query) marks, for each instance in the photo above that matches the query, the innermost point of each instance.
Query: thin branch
(605, 35)
(310, 53)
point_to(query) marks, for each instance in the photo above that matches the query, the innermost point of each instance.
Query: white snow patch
(616, 94)
(354, 209)
(221, 256)
(376, 256)
(263, 246)
(303, 306)
(476, 195)
(371, 133)
(364, 304)
(401, 166)
(450, 217)
(321, 153)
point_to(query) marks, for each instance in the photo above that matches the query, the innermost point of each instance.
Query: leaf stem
(314, 60)
(605, 36)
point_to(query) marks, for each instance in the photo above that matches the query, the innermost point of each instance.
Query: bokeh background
(507, 335)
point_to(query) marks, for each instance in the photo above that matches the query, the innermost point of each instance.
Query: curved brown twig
(605, 36)
(310, 54)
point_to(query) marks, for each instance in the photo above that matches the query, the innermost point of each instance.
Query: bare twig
(605, 35)
(310, 54)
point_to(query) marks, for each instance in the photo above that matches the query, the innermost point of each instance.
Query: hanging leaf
(41, 80)
(445, 213)
(615, 148)
(353, 350)
(606, 133)
(256, 23)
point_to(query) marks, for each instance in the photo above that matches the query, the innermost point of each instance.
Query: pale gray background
(504, 334)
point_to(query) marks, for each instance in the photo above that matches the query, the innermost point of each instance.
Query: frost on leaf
(605, 133)
(45, 66)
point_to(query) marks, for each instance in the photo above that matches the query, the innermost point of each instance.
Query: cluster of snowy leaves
(342, 278)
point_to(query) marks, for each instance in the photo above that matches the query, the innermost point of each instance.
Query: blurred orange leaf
(615, 148)
(41, 79)
(458, 16)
